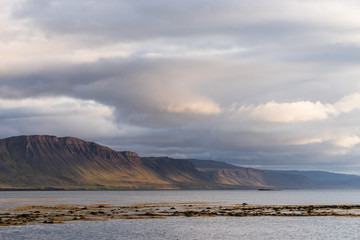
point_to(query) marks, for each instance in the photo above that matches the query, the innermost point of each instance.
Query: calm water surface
(279, 228)
(188, 228)
(337, 196)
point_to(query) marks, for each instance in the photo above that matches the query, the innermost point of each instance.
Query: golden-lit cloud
(348, 103)
(347, 141)
(203, 106)
(292, 112)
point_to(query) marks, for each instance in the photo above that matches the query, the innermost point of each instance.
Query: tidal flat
(62, 213)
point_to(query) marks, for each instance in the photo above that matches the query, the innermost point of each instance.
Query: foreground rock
(64, 213)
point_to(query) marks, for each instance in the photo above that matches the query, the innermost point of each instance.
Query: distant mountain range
(49, 162)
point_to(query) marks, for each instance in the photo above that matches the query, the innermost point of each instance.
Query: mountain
(328, 179)
(228, 174)
(221, 172)
(49, 162)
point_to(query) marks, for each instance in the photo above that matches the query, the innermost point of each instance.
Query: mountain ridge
(50, 162)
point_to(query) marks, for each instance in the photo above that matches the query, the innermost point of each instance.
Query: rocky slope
(224, 173)
(227, 174)
(48, 161)
(28, 162)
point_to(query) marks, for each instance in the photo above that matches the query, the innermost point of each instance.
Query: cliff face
(71, 163)
(233, 176)
(179, 171)
(260, 178)
(48, 161)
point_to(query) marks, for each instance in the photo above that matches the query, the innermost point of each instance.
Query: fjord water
(225, 197)
(193, 227)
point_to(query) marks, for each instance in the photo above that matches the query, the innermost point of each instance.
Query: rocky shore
(51, 214)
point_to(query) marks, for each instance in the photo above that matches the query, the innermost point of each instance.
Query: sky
(270, 84)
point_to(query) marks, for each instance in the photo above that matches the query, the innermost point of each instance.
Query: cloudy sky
(272, 84)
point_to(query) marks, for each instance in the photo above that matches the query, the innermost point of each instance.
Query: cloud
(198, 107)
(347, 142)
(262, 83)
(308, 141)
(69, 116)
(348, 103)
(302, 111)
(144, 19)
(142, 91)
(127, 20)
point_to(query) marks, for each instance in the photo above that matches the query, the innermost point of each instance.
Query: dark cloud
(139, 89)
(196, 79)
(138, 19)
(260, 24)
(337, 54)
(136, 88)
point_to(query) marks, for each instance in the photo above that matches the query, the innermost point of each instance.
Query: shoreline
(55, 214)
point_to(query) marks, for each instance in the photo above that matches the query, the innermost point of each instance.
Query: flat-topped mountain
(48, 161)
(40, 162)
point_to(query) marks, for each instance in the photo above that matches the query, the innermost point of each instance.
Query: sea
(188, 227)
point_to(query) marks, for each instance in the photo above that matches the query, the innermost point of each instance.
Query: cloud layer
(272, 84)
